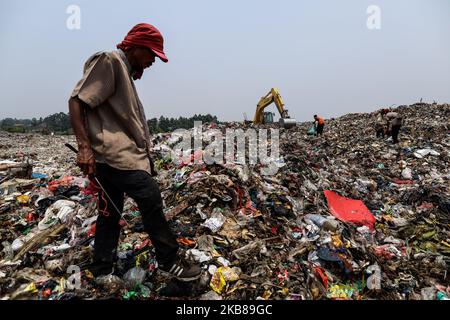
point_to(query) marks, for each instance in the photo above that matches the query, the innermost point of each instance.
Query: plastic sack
(134, 277)
(61, 210)
(312, 131)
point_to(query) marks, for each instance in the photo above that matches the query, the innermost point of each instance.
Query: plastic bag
(312, 130)
(61, 210)
(134, 277)
(110, 283)
(215, 222)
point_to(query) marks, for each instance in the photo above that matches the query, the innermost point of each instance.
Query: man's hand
(85, 157)
(86, 160)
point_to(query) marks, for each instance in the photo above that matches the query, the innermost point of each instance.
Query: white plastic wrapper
(198, 256)
(424, 152)
(407, 174)
(61, 210)
(215, 222)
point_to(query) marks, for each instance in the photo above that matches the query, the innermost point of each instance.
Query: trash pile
(346, 216)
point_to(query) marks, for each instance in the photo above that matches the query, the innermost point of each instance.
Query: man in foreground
(113, 141)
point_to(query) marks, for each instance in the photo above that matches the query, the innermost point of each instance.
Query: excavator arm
(272, 97)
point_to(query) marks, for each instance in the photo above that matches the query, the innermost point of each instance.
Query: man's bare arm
(85, 157)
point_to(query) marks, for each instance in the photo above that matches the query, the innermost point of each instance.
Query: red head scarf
(145, 35)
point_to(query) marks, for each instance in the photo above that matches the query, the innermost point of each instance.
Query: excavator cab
(267, 117)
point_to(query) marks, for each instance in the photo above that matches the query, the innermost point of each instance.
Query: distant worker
(380, 123)
(320, 123)
(394, 123)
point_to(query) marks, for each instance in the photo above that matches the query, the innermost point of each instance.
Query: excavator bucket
(287, 123)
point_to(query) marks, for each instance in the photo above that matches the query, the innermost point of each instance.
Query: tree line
(164, 124)
(59, 123)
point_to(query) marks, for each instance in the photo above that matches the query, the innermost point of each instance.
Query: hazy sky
(225, 55)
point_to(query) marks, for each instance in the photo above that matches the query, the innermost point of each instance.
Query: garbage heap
(345, 216)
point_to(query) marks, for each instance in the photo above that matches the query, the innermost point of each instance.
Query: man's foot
(182, 270)
(101, 268)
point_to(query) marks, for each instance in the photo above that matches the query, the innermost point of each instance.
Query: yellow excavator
(267, 117)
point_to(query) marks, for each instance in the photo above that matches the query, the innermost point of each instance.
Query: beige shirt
(394, 118)
(379, 121)
(116, 122)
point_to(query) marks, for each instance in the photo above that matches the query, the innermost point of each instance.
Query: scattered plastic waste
(340, 213)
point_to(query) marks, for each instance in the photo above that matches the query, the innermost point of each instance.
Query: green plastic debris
(130, 295)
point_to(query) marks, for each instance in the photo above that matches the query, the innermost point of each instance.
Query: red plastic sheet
(399, 181)
(349, 210)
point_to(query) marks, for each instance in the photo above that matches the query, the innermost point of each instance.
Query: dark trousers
(380, 132)
(144, 190)
(319, 129)
(395, 131)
